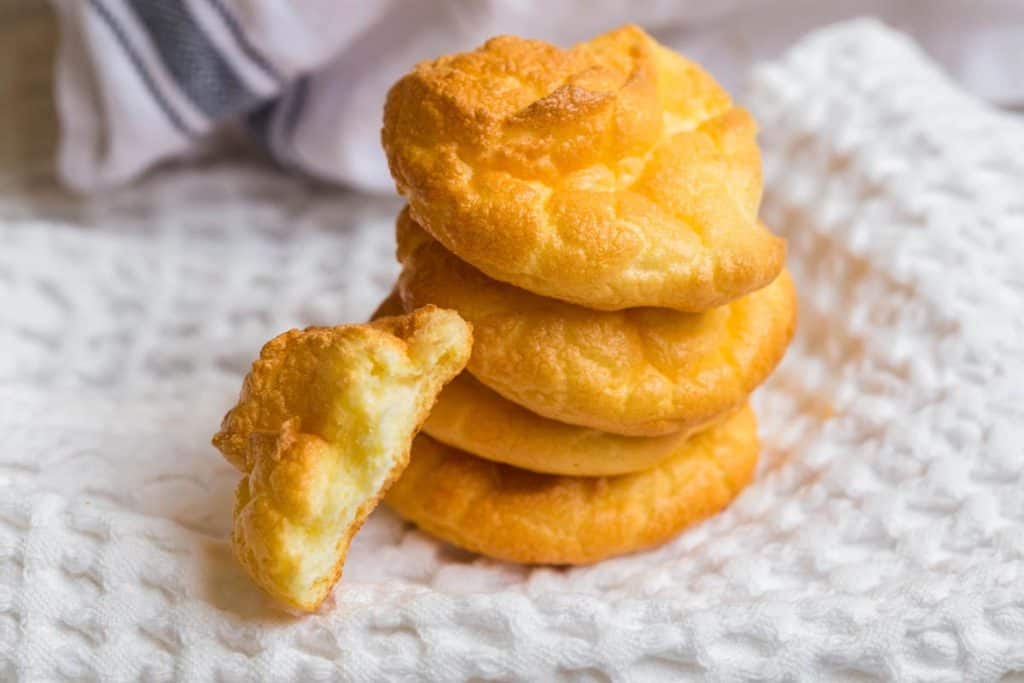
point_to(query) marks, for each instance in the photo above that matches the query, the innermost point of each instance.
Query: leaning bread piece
(322, 428)
(614, 174)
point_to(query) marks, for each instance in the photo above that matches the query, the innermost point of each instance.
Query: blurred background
(304, 82)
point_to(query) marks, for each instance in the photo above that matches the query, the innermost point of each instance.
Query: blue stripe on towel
(147, 79)
(299, 94)
(259, 124)
(273, 125)
(192, 59)
(243, 42)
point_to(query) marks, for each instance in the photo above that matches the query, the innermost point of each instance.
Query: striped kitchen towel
(143, 80)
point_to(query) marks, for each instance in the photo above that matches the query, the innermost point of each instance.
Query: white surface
(883, 537)
(354, 51)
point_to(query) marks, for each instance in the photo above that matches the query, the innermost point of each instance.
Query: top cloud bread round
(614, 174)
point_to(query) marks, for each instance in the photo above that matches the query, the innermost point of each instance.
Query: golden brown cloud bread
(519, 516)
(323, 426)
(469, 416)
(614, 174)
(472, 418)
(639, 372)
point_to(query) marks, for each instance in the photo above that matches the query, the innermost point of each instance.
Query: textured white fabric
(883, 537)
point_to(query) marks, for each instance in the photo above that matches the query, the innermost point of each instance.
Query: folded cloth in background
(139, 81)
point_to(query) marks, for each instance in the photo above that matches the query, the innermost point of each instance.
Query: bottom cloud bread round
(520, 516)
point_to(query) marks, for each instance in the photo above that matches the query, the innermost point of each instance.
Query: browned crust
(519, 516)
(614, 174)
(472, 418)
(638, 372)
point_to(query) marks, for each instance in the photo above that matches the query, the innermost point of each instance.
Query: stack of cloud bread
(593, 214)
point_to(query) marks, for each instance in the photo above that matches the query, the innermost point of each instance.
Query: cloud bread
(323, 426)
(638, 372)
(519, 516)
(614, 174)
(472, 418)
(469, 416)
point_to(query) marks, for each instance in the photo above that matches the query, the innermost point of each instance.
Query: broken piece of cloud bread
(322, 428)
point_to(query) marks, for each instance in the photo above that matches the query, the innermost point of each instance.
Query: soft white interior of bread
(367, 436)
